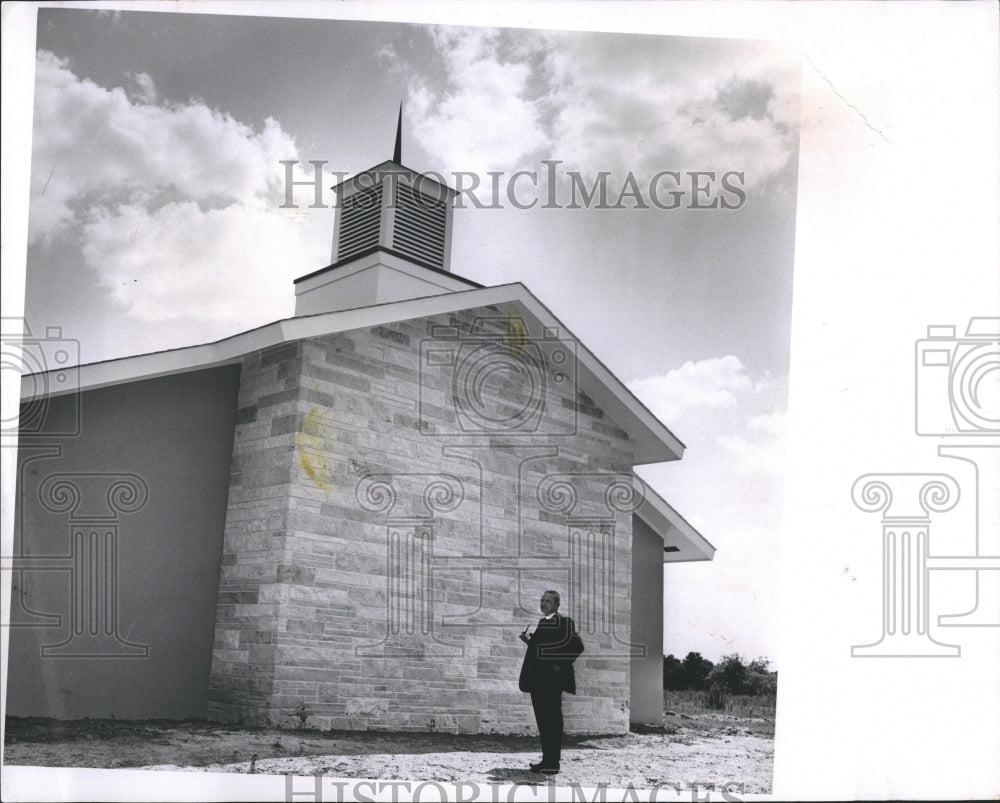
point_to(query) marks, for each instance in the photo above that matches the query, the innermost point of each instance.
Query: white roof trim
(380, 259)
(673, 528)
(652, 441)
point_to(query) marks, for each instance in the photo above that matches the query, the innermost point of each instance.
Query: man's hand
(524, 636)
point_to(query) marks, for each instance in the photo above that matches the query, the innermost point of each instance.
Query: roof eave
(675, 531)
(652, 441)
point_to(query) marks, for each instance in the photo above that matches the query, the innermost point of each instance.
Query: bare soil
(710, 749)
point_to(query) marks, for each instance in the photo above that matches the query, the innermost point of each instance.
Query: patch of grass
(752, 713)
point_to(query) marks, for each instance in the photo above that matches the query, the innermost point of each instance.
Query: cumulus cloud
(761, 445)
(93, 144)
(162, 199)
(484, 119)
(741, 98)
(144, 89)
(166, 264)
(600, 102)
(643, 110)
(730, 420)
(712, 384)
(729, 482)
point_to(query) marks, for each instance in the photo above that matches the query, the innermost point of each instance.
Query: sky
(156, 219)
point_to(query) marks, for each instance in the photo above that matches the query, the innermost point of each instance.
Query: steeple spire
(390, 212)
(397, 154)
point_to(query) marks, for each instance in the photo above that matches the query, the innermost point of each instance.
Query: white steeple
(391, 241)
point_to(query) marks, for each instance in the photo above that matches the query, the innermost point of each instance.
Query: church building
(344, 519)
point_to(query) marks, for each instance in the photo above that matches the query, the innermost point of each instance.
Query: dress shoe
(548, 769)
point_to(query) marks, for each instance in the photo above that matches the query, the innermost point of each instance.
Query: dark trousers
(548, 716)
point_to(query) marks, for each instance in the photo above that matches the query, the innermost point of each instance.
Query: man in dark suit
(546, 673)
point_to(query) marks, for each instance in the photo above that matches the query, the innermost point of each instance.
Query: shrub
(731, 674)
(687, 674)
(716, 698)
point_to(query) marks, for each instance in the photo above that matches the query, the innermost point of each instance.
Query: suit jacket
(548, 663)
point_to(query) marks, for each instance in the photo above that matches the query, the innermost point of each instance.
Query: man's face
(548, 604)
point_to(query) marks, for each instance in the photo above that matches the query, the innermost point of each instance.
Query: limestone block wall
(400, 498)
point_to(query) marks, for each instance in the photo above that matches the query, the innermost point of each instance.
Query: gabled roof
(651, 440)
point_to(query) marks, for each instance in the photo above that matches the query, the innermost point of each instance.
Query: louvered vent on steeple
(391, 241)
(360, 215)
(394, 209)
(419, 225)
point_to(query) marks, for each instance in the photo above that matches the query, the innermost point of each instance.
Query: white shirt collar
(550, 615)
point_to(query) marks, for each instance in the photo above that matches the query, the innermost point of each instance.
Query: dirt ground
(711, 750)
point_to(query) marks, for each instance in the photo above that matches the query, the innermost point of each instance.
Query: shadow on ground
(511, 775)
(196, 743)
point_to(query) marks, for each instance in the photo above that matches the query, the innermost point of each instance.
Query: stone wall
(400, 498)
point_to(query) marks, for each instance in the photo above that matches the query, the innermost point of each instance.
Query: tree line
(731, 674)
